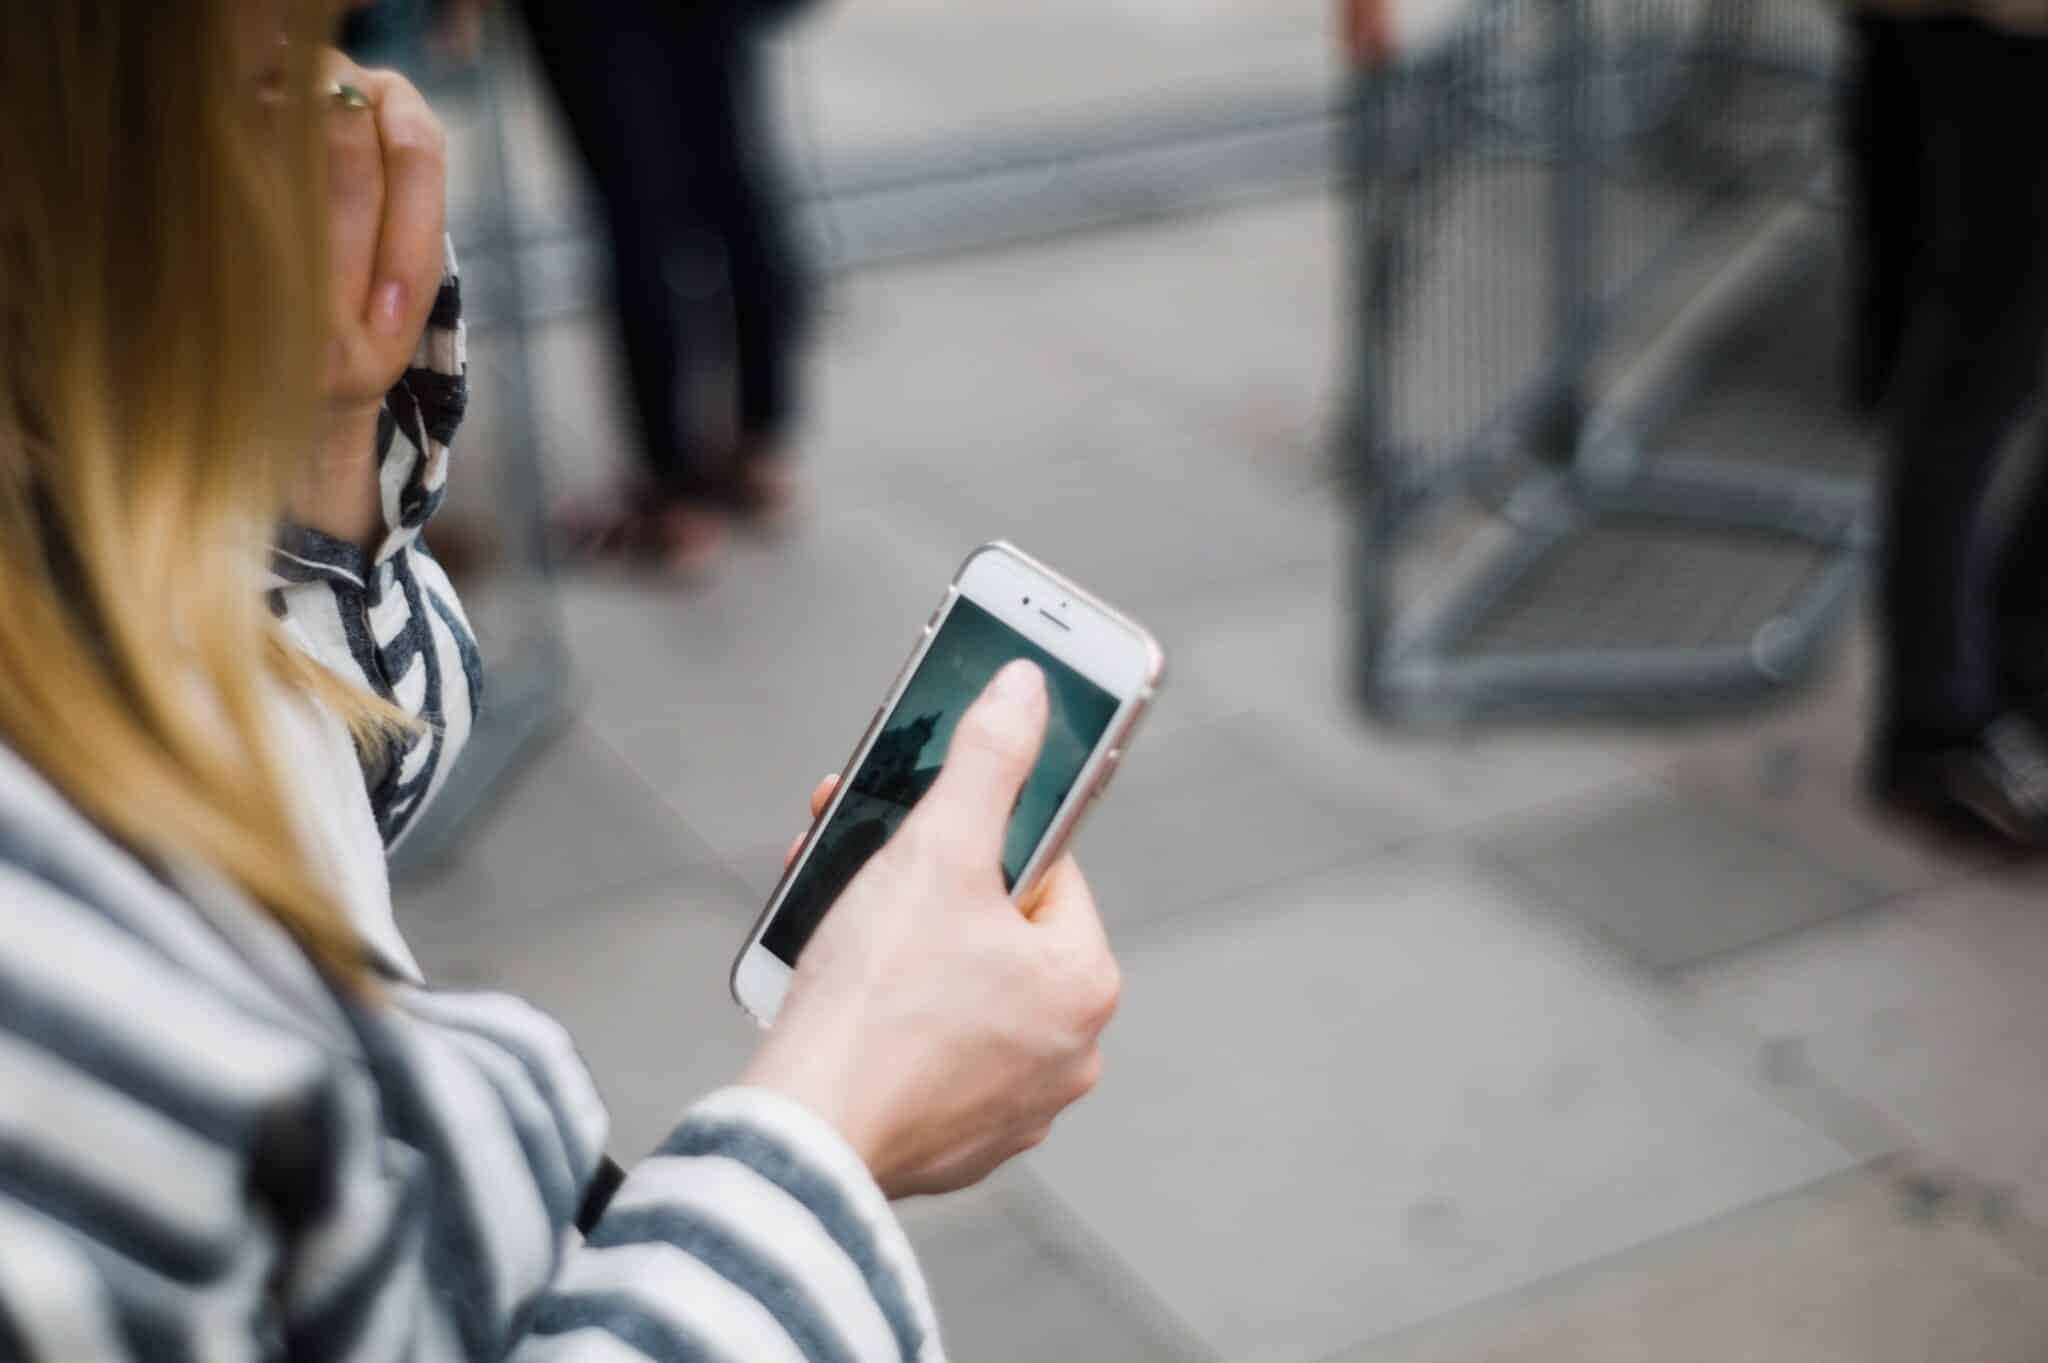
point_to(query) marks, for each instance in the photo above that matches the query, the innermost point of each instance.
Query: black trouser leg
(765, 275)
(2023, 596)
(640, 90)
(1971, 369)
(1881, 141)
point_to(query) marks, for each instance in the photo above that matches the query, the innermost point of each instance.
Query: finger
(1051, 882)
(410, 250)
(1063, 904)
(820, 797)
(993, 749)
(822, 794)
(355, 191)
(1070, 927)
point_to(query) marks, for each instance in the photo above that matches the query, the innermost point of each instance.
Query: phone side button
(1110, 761)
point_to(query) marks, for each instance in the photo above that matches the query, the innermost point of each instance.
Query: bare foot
(689, 540)
(764, 489)
(643, 531)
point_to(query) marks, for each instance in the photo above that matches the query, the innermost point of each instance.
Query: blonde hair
(162, 277)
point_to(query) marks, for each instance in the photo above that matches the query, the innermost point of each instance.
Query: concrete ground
(1545, 1043)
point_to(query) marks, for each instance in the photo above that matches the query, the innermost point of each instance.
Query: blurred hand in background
(1365, 28)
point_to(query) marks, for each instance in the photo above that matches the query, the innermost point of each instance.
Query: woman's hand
(387, 178)
(937, 1027)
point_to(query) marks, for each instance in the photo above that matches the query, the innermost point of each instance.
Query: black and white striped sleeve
(754, 1234)
(134, 1095)
(389, 620)
(189, 1175)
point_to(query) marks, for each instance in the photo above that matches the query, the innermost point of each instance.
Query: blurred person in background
(1947, 134)
(237, 1122)
(667, 102)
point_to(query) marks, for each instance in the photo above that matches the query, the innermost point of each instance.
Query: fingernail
(386, 308)
(1020, 683)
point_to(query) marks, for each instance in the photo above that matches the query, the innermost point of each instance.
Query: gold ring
(349, 96)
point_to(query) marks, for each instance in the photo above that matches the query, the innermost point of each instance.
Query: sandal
(762, 488)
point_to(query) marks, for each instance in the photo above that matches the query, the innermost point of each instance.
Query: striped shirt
(388, 620)
(207, 1153)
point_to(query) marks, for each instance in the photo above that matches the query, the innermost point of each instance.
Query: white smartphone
(1101, 670)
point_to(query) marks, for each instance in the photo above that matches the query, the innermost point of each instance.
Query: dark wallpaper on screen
(971, 648)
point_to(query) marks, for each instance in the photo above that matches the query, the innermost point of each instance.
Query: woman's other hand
(387, 174)
(937, 1027)
(387, 179)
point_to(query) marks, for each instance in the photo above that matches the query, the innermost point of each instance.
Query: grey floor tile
(903, 73)
(1930, 1015)
(1242, 358)
(1013, 433)
(914, 385)
(639, 980)
(1060, 420)
(1012, 1287)
(761, 868)
(1095, 520)
(1169, 274)
(585, 423)
(1848, 1271)
(1278, 656)
(1804, 795)
(449, 900)
(576, 397)
(1353, 1104)
(1250, 358)
(576, 823)
(1795, 773)
(1208, 813)
(1666, 880)
(734, 697)
(1134, 537)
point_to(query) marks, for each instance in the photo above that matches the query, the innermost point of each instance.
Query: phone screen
(971, 647)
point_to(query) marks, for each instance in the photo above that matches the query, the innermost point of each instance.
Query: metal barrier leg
(1573, 235)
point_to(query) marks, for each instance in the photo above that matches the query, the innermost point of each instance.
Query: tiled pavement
(1573, 1043)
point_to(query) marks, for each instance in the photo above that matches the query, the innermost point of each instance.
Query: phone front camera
(1027, 600)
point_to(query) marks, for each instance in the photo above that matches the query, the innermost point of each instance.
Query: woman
(237, 1122)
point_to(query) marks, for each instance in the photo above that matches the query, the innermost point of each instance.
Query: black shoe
(1999, 780)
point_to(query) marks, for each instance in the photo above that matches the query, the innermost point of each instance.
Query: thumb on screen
(994, 747)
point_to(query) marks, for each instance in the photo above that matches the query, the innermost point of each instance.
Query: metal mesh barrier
(1575, 221)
